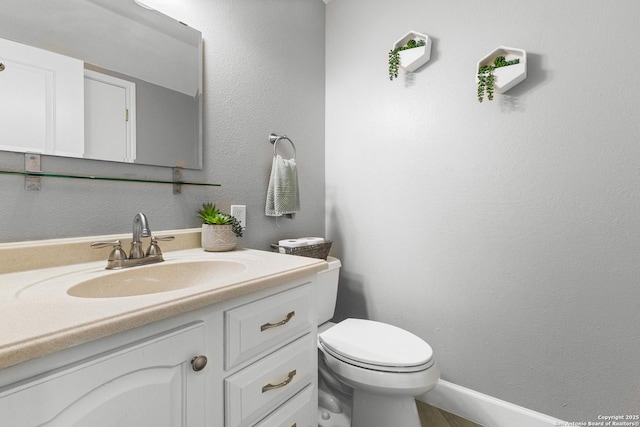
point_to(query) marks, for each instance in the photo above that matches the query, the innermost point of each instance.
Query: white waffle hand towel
(283, 196)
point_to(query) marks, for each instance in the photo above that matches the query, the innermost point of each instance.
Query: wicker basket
(320, 250)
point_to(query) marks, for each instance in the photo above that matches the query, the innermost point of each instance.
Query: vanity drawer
(255, 327)
(260, 388)
(297, 412)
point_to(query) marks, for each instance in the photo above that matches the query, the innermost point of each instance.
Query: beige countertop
(38, 317)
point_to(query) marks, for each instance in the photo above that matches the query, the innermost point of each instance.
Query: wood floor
(434, 417)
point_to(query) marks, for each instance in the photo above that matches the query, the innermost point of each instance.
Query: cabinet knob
(198, 363)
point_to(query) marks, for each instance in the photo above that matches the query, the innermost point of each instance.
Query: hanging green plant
(486, 77)
(485, 82)
(394, 56)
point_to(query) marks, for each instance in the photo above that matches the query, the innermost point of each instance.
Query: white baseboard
(484, 410)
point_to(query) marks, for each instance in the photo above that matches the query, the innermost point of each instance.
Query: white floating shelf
(509, 76)
(412, 59)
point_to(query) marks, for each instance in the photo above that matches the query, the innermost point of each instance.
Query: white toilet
(383, 367)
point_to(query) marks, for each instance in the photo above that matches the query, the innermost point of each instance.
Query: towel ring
(273, 138)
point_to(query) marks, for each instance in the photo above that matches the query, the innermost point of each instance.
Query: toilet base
(329, 419)
(376, 410)
(334, 407)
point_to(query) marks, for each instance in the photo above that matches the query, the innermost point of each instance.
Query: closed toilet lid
(367, 342)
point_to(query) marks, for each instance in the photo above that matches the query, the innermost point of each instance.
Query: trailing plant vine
(486, 77)
(485, 82)
(394, 56)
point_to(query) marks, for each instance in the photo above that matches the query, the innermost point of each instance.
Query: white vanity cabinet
(148, 383)
(261, 370)
(281, 326)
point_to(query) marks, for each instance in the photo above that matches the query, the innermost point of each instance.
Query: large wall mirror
(101, 79)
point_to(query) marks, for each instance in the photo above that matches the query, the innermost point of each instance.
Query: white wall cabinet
(145, 378)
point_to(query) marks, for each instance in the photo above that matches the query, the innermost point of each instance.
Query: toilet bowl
(384, 367)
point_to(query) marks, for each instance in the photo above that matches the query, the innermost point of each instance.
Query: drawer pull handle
(280, 323)
(282, 384)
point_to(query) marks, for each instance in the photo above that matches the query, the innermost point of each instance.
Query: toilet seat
(376, 346)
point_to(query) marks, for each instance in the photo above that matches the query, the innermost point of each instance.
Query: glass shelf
(175, 182)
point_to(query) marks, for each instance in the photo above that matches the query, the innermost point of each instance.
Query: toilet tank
(327, 290)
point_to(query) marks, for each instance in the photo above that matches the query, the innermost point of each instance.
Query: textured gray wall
(507, 233)
(178, 128)
(264, 72)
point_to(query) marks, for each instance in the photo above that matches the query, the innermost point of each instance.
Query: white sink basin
(157, 278)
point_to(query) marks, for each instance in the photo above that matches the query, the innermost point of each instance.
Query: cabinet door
(150, 383)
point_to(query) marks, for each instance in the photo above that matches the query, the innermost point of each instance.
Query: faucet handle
(116, 254)
(154, 249)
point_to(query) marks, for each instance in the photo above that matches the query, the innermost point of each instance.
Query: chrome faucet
(140, 229)
(118, 257)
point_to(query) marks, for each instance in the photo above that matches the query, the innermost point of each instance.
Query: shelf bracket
(177, 180)
(32, 163)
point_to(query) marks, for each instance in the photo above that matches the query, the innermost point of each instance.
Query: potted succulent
(220, 231)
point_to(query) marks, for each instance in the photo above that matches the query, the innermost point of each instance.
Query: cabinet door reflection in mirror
(100, 79)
